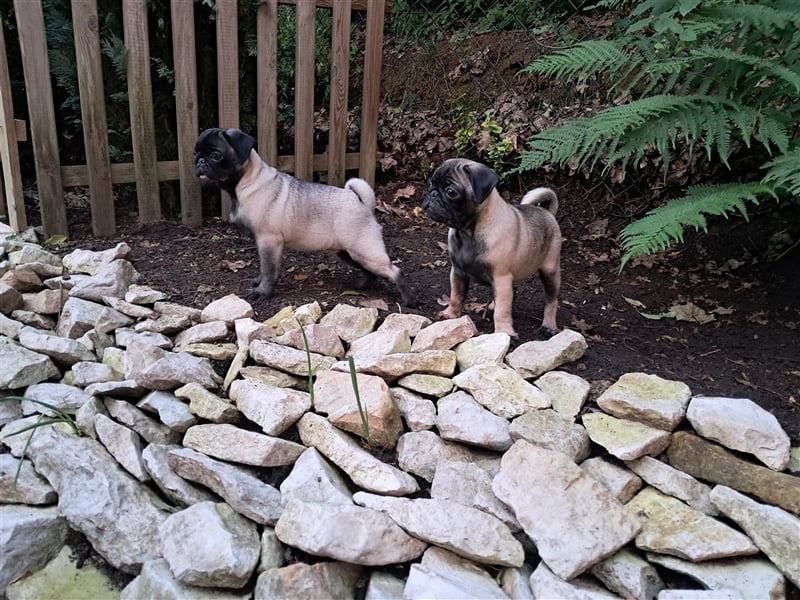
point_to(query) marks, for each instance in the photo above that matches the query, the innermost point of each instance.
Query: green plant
(59, 417)
(489, 140)
(720, 76)
(312, 372)
(362, 413)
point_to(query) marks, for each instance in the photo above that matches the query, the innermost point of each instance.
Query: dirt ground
(735, 296)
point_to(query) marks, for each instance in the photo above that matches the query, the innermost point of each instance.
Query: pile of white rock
(339, 455)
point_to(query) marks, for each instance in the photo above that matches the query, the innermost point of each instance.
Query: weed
(311, 371)
(361, 411)
(60, 417)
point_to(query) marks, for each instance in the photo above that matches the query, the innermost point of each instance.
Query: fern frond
(665, 225)
(624, 132)
(784, 172)
(762, 66)
(755, 16)
(582, 60)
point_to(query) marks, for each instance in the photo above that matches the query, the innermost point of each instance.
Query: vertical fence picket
(140, 100)
(304, 89)
(227, 76)
(370, 103)
(340, 79)
(93, 115)
(9, 153)
(267, 80)
(183, 50)
(36, 68)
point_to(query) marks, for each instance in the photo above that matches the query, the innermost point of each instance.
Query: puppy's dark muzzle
(432, 205)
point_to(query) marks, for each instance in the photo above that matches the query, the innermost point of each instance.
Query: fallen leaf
(378, 303)
(406, 192)
(759, 318)
(692, 313)
(634, 303)
(233, 265)
(722, 310)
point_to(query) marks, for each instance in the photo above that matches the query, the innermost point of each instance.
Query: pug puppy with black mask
(495, 243)
(284, 212)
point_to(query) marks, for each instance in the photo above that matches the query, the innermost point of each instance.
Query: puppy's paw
(449, 313)
(258, 294)
(508, 329)
(548, 332)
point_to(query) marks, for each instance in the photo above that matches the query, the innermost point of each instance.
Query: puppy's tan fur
(493, 242)
(284, 212)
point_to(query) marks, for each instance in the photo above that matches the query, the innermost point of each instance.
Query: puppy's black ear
(241, 143)
(484, 180)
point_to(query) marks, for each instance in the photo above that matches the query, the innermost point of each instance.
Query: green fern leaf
(665, 225)
(784, 172)
(582, 60)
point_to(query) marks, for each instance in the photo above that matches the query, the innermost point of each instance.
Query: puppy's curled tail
(544, 197)
(363, 190)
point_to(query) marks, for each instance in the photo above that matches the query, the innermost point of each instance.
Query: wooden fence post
(93, 115)
(305, 66)
(140, 99)
(13, 202)
(183, 49)
(227, 76)
(340, 80)
(267, 80)
(370, 103)
(36, 68)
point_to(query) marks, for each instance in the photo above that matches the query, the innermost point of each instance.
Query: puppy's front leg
(503, 287)
(269, 255)
(459, 284)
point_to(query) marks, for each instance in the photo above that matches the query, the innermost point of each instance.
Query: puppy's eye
(451, 192)
(215, 156)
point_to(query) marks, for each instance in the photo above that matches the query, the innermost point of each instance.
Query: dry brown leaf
(406, 192)
(692, 313)
(378, 303)
(233, 265)
(759, 318)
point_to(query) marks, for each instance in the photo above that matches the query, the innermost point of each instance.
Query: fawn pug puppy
(284, 212)
(493, 242)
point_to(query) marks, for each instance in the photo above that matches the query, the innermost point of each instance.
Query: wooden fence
(99, 174)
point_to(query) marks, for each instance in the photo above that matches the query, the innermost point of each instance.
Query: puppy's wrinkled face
(456, 190)
(220, 156)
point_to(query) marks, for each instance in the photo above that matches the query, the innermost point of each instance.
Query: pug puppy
(493, 242)
(284, 212)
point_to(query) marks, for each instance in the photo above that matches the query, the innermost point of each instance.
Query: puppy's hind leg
(551, 280)
(380, 264)
(365, 277)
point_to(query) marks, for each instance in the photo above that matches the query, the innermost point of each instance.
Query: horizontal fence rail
(99, 174)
